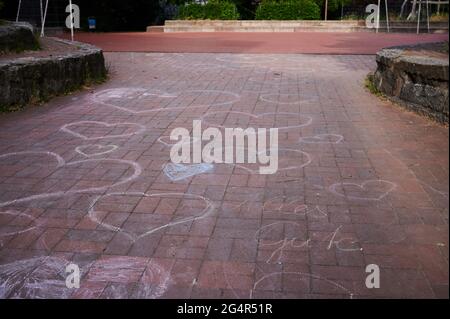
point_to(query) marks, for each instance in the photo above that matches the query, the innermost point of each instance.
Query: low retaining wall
(23, 80)
(287, 26)
(261, 26)
(417, 77)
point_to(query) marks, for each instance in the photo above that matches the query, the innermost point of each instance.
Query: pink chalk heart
(369, 190)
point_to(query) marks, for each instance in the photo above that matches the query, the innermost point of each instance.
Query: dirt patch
(49, 47)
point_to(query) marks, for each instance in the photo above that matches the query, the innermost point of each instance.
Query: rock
(418, 76)
(17, 36)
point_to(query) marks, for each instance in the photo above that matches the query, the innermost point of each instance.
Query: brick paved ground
(361, 182)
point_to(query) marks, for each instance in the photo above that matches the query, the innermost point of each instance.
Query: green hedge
(288, 10)
(213, 10)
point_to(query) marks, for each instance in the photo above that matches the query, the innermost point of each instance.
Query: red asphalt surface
(243, 42)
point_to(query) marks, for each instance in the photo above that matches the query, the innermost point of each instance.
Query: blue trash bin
(92, 22)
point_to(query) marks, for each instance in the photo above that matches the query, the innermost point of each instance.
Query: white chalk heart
(95, 149)
(279, 120)
(322, 139)
(178, 172)
(368, 190)
(141, 100)
(155, 221)
(16, 214)
(288, 159)
(286, 98)
(52, 164)
(76, 129)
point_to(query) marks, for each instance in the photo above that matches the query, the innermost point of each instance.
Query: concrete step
(288, 26)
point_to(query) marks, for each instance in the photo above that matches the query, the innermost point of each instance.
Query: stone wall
(416, 76)
(23, 80)
(17, 36)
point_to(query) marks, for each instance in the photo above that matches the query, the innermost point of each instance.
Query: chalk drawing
(285, 163)
(118, 269)
(141, 95)
(165, 140)
(45, 277)
(375, 190)
(177, 172)
(306, 276)
(442, 193)
(268, 120)
(33, 224)
(322, 139)
(339, 243)
(291, 205)
(154, 282)
(67, 128)
(283, 243)
(244, 59)
(270, 98)
(205, 212)
(40, 277)
(274, 233)
(86, 150)
(137, 171)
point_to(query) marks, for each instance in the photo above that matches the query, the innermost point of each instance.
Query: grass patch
(370, 85)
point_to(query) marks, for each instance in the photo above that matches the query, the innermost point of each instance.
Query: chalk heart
(372, 190)
(104, 129)
(27, 219)
(142, 100)
(322, 139)
(288, 159)
(279, 120)
(178, 172)
(160, 213)
(95, 149)
(51, 164)
(301, 281)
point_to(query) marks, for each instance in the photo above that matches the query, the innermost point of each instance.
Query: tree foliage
(288, 10)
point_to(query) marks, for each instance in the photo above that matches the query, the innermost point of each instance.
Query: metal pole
(326, 10)
(428, 18)
(45, 17)
(418, 17)
(18, 11)
(387, 15)
(378, 15)
(71, 19)
(42, 13)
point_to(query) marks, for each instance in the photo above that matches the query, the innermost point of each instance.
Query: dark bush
(288, 10)
(213, 10)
